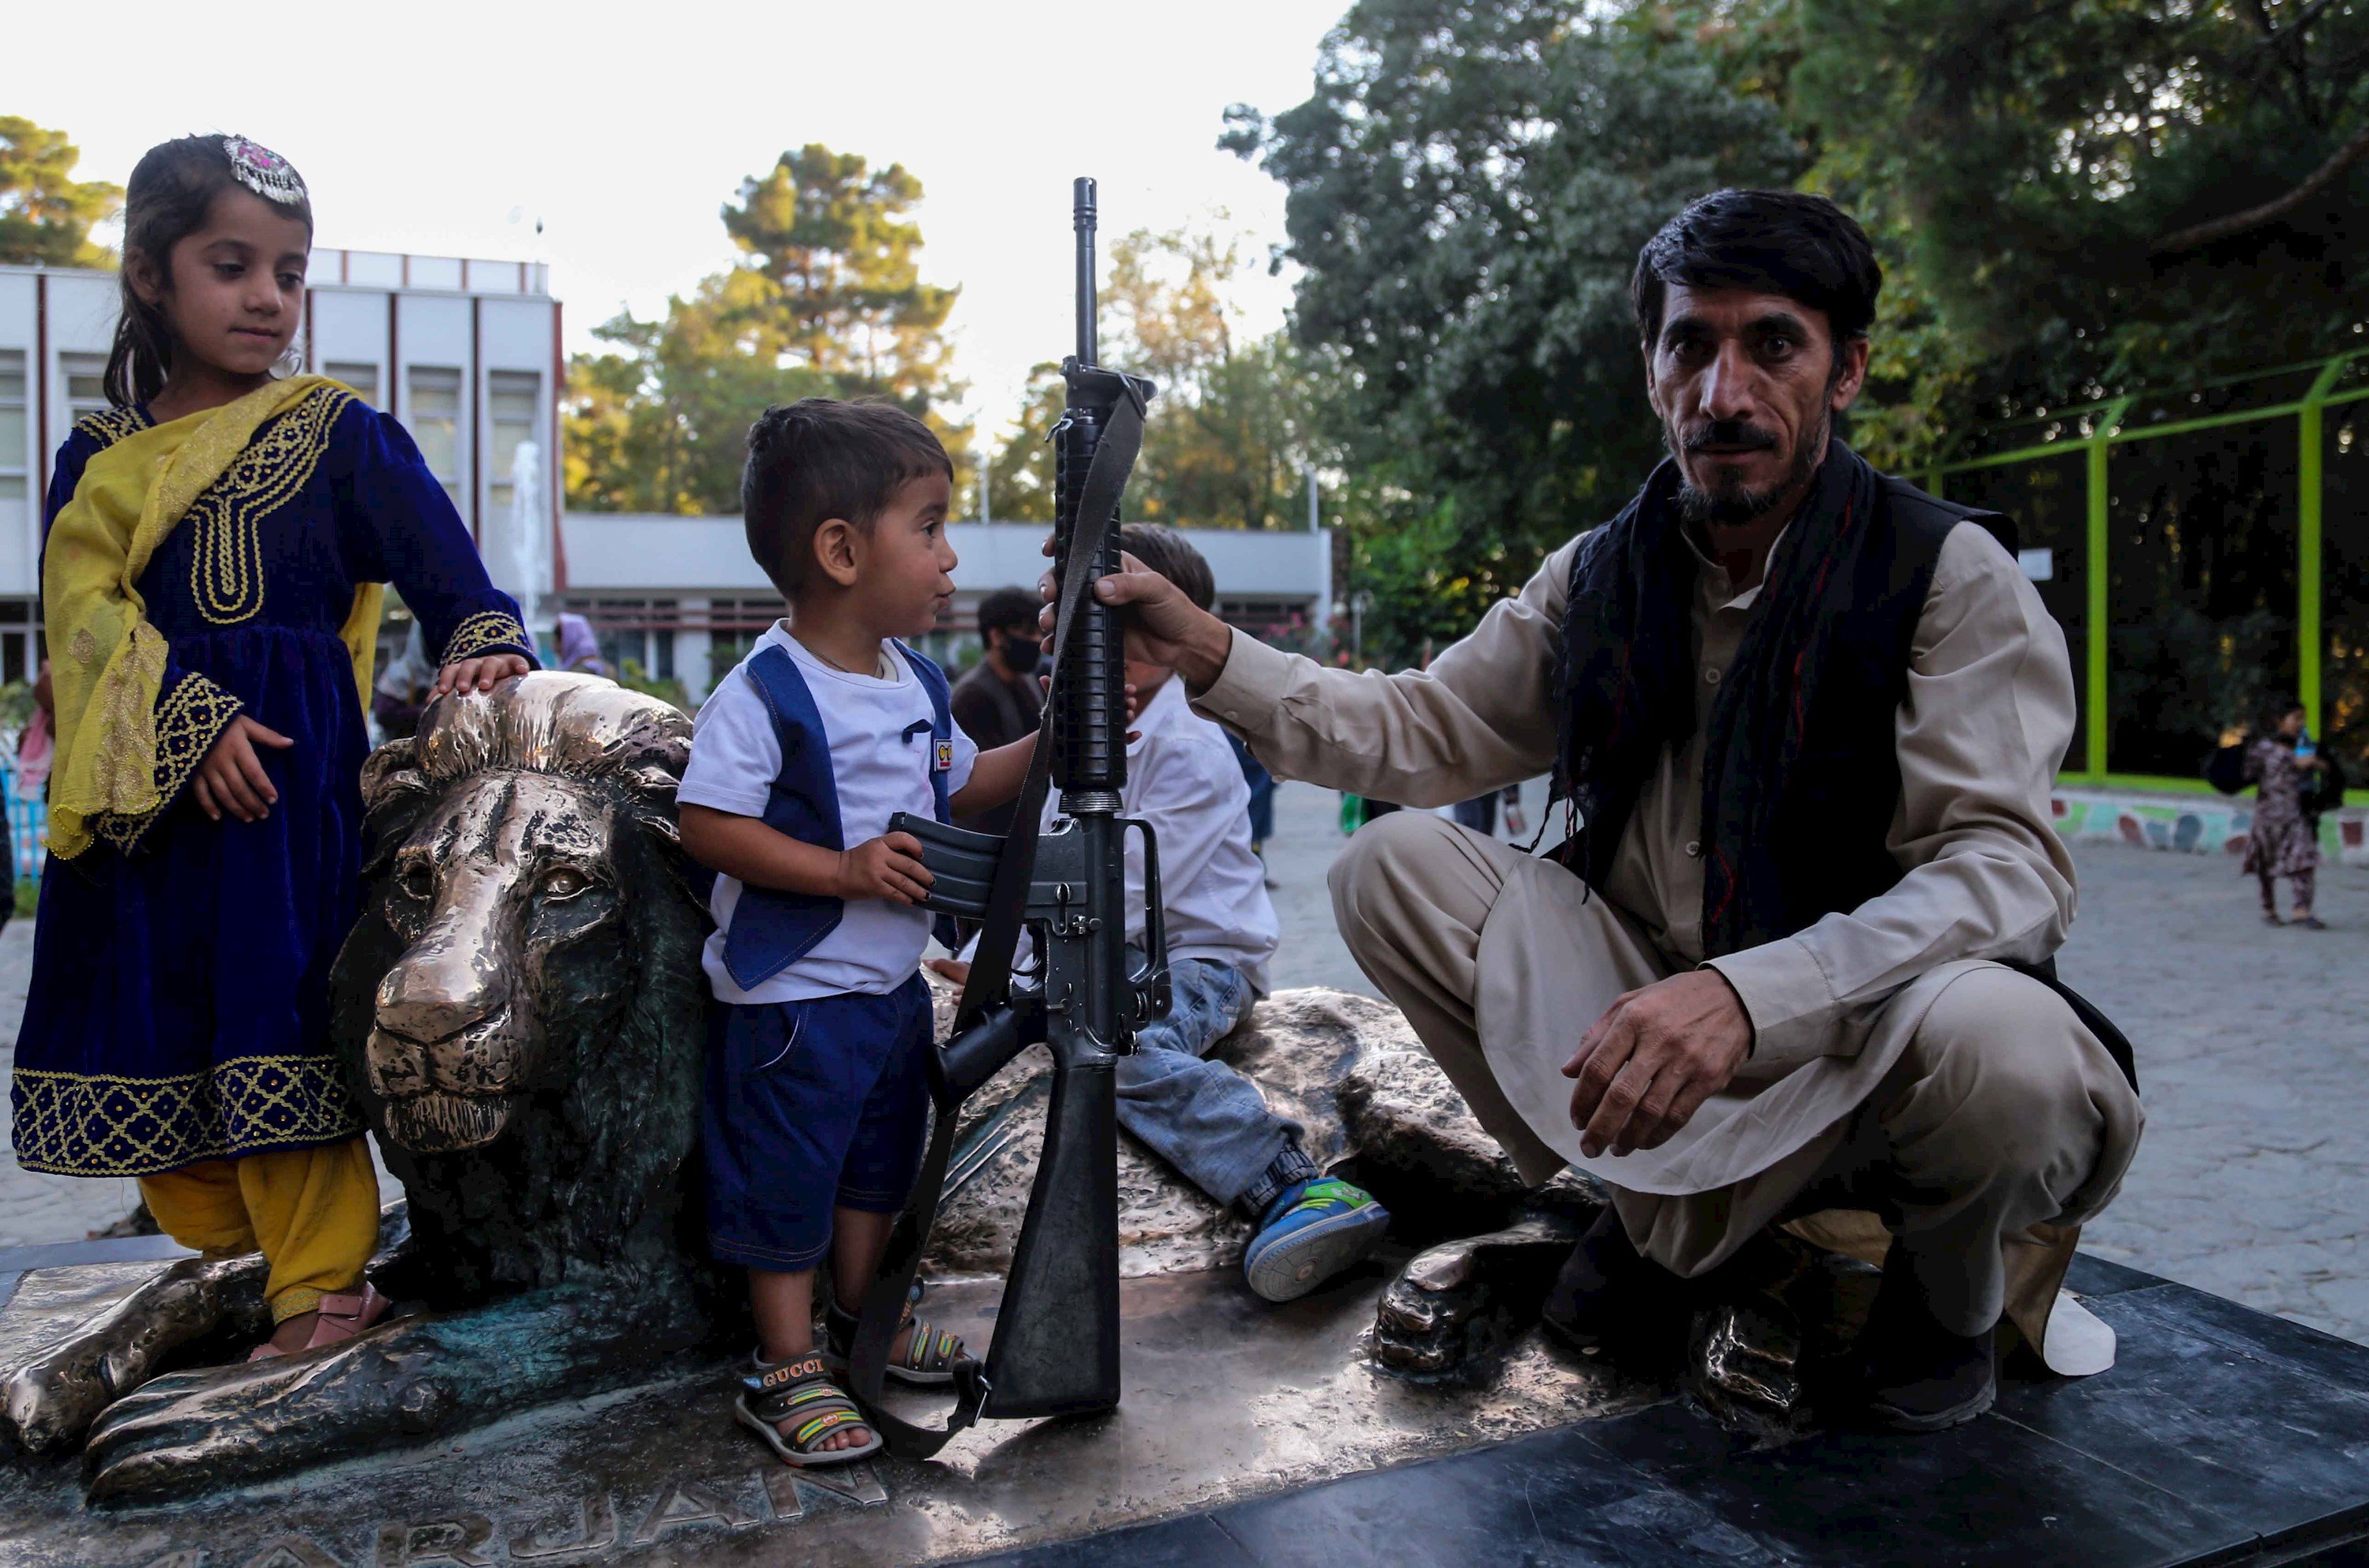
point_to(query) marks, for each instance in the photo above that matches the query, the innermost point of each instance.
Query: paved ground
(2253, 1051)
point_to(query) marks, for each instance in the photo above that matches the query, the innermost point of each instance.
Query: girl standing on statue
(213, 547)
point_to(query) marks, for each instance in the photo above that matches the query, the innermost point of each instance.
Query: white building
(681, 596)
(468, 355)
(465, 353)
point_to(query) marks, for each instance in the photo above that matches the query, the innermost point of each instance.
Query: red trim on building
(394, 361)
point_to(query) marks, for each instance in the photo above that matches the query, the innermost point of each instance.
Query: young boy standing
(1202, 1116)
(817, 1100)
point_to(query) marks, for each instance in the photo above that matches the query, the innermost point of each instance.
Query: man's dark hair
(1774, 242)
(819, 459)
(1170, 554)
(1005, 609)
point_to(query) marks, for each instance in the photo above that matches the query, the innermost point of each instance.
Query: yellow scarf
(107, 665)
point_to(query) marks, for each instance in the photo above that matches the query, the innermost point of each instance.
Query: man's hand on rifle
(1175, 631)
(1655, 1056)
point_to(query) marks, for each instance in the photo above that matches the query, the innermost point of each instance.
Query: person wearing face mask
(998, 701)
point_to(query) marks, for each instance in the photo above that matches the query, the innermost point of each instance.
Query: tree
(1230, 433)
(825, 302)
(45, 213)
(832, 238)
(1469, 187)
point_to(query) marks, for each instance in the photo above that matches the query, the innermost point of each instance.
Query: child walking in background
(817, 1098)
(213, 547)
(1202, 1116)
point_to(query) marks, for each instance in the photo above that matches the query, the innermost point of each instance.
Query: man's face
(1747, 385)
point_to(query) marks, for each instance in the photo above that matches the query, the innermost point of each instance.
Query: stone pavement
(2253, 1044)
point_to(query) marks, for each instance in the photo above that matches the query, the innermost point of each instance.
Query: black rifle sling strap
(990, 979)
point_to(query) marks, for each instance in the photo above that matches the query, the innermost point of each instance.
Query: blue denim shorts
(811, 1105)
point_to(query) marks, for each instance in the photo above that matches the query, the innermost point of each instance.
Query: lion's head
(511, 840)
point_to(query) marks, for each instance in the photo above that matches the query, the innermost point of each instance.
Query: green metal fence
(2206, 551)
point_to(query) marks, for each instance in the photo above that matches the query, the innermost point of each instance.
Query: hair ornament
(263, 171)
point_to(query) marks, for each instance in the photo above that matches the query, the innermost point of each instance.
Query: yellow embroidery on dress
(189, 721)
(486, 629)
(111, 425)
(84, 1124)
(226, 550)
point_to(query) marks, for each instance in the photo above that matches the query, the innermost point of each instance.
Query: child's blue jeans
(1200, 1116)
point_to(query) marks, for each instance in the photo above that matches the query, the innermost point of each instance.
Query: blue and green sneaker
(1312, 1233)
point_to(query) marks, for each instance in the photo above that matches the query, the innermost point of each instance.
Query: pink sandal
(342, 1317)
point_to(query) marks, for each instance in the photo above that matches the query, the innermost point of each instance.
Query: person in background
(400, 693)
(1262, 788)
(579, 649)
(2284, 841)
(998, 700)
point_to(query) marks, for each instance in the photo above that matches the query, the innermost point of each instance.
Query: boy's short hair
(1170, 554)
(1007, 607)
(820, 458)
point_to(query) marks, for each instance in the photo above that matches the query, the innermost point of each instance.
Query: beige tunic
(1988, 715)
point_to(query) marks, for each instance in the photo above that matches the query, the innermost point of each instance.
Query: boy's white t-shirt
(879, 769)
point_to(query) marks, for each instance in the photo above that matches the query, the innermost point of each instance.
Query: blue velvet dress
(178, 1005)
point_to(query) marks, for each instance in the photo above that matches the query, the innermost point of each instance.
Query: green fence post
(2101, 433)
(2308, 460)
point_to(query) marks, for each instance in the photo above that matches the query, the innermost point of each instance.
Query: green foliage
(634, 677)
(1469, 187)
(45, 213)
(1232, 431)
(825, 302)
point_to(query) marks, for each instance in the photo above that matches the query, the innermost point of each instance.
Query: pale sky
(446, 129)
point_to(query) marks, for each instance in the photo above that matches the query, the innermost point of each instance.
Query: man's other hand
(1175, 631)
(1656, 1055)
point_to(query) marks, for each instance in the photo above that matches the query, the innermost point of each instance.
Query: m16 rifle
(1056, 1350)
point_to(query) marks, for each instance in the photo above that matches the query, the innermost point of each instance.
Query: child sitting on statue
(815, 1094)
(1202, 1116)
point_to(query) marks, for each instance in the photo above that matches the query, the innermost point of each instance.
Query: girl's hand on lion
(887, 867)
(232, 778)
(478, 674)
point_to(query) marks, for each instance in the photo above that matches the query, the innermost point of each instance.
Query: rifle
(1056, 1347)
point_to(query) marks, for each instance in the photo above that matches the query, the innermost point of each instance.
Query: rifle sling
(990, 983)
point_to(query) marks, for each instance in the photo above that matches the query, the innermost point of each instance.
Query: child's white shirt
(880, 767)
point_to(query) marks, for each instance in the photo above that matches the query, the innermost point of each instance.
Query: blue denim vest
(771, 928)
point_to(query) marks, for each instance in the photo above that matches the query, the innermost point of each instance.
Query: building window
(433, 403)
(85, 384)
(513, 402)
(15, 436)
(363, 378)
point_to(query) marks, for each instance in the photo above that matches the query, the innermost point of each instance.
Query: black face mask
(1020, 654)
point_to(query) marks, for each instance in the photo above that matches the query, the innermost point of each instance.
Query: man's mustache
(1733, 434)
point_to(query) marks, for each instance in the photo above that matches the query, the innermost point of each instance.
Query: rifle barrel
(1082, 217)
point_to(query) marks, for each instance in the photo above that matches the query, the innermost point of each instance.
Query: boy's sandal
(801, 1391)
(930, 1353)
(341, 1318)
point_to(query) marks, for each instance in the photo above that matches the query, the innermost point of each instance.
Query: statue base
(1259, 1434)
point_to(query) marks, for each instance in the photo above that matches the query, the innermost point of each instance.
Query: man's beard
(1735, 503)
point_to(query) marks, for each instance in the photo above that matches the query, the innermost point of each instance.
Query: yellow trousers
(312, 1212)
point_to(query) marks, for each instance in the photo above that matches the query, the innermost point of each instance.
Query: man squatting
(1808, 717)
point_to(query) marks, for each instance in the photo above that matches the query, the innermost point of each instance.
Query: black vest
(1801, 772)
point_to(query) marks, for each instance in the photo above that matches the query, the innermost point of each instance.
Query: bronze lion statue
(521, 1012)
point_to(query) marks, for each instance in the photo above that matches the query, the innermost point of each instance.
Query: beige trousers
(1999, 1126)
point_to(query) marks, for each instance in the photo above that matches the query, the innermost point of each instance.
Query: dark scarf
(1629, 670)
